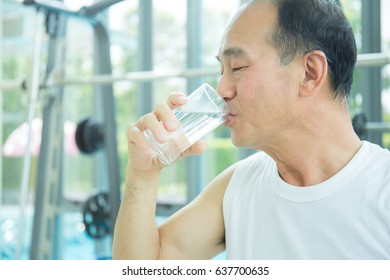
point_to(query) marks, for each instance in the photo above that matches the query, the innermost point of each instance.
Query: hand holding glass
(204, 111)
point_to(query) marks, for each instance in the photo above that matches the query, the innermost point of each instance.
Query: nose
(226, 87)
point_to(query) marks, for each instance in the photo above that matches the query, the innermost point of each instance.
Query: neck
(321, 148)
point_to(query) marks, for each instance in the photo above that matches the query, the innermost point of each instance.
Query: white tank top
(345, 217)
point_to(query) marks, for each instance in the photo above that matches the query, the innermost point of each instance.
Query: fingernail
(182, 98)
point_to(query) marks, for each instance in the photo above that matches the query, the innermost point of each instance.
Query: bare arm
(136, 235)
(197, 231)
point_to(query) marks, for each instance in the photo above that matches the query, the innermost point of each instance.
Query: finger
(150, 121)
(141, 155)
(176, 99)
(165, 114)
(196, 149)
(136, 140)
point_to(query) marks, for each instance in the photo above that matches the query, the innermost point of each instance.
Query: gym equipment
(362, 126)
(50, 201)
(359, 125)
(34, 92)
(89, 136)
(96, 215)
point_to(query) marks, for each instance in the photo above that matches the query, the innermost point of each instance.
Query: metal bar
(47, 227)
(51, 5)
(12, 85)
(194, 165)
(371, 78)
(144, 76)
(85, 12)
(34, 90)
(378, 126)
(103, 65)
(373, 59)
(141, 76)
(364, 60)
(97, 7)
(145, 51)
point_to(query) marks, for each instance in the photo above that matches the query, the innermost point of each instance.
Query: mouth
(229, 118)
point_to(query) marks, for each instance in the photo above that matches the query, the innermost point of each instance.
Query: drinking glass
(204, 111)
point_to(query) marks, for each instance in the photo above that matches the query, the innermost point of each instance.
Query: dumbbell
(89, 135)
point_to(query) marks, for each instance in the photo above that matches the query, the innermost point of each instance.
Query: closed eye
(236, 69)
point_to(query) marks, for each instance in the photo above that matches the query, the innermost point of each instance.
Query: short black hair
(307, 25)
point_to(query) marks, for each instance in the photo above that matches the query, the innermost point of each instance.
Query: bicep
(197, 231)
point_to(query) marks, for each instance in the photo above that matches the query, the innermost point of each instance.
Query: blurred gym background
(74, 74)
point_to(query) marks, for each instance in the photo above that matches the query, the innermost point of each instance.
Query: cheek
(263, 92)
(255, 96)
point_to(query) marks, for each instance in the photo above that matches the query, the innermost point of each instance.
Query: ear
(316, 72)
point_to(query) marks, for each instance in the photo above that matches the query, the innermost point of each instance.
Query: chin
(237, 141)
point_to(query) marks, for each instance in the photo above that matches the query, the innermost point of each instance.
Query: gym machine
(99, 211)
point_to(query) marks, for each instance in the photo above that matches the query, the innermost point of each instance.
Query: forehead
(248, 30)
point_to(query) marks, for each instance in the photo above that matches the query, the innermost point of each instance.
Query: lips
(229, 118)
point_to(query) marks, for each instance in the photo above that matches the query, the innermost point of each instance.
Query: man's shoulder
(376, 161)
(377, 152)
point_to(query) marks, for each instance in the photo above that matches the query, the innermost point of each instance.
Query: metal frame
(49, 202)
(49, 186)
(108, 169)
(371, 81)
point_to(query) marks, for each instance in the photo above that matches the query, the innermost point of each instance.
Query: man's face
(260, 92)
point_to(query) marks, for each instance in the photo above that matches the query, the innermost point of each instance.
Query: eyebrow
(232, 52)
